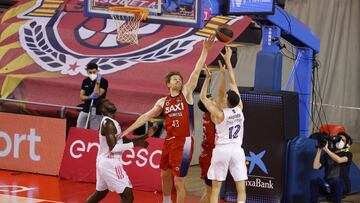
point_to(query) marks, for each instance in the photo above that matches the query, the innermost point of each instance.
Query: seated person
(336, 161)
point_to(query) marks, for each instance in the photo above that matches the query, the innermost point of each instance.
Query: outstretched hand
(151, 131)
(227, 55)
(209, 42)
(121, 135)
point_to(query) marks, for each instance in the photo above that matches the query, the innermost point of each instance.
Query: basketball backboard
(174, 12)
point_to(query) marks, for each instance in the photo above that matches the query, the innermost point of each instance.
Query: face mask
(340, 144)
(92, 76)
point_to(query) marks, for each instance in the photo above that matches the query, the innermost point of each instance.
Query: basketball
(224, 33)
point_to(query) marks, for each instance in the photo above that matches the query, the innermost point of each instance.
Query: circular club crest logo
(66, 41)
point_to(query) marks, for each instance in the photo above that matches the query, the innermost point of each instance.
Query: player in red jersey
(207, 147)
(178, 111)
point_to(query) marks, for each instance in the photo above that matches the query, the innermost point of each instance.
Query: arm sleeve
(83, 85)
(104, 84)
(349, 156)
(120, 147)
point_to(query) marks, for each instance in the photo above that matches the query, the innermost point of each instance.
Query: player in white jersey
(110, 174)
(227, 115)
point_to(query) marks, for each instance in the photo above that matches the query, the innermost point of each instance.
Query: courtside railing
(61, 107)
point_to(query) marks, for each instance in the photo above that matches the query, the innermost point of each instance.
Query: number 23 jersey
(231, 129)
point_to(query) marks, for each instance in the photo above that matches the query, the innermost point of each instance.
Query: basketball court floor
(18, 187)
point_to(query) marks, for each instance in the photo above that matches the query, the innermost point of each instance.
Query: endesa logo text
(138, 156)
(79, 148)
(140, 164)
(142, 157)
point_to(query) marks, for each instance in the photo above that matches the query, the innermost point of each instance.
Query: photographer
(336, 160)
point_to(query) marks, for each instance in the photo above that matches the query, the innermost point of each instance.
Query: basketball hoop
(127, 21)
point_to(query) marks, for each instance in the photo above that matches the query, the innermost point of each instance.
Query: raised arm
(232, 82)
(154, 112)
(190, 85)
(221, 86)
(217, 114)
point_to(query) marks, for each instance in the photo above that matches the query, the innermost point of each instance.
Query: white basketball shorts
(111, 175)
(228, 157)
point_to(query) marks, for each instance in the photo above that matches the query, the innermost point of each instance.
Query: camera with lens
(323, 138)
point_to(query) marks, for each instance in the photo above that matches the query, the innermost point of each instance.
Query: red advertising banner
(141, 165)
(79, 160)
(31, 143)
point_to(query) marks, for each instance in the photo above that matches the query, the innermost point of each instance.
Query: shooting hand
(209, 42)
(93, 95)
(227, 55)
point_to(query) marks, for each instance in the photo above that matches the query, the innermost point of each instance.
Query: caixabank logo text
(262, 178)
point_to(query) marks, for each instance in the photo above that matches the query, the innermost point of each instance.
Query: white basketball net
(127, 26)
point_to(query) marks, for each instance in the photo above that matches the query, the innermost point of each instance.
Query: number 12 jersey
(231, 129)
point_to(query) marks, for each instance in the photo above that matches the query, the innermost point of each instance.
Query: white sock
(167, 199)
(241, 202)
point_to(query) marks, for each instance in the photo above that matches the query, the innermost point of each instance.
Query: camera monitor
(250, 7)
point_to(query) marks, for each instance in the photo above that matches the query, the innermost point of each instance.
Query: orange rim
(128, 9)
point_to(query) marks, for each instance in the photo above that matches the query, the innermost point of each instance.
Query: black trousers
(318, 187)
